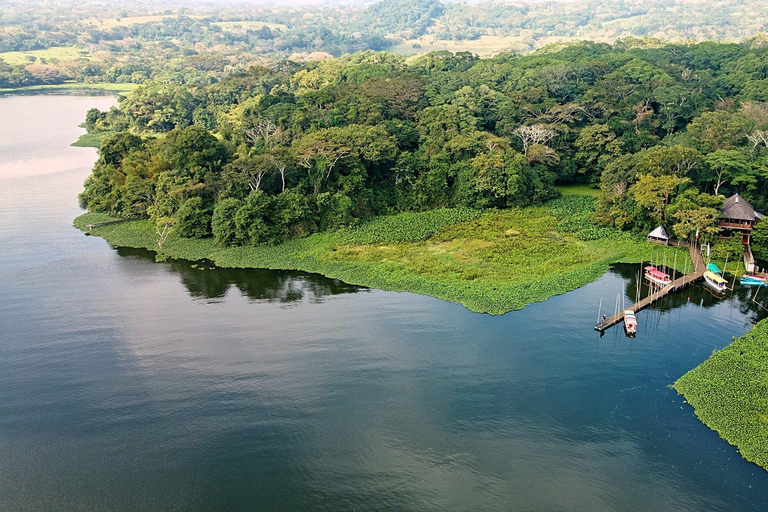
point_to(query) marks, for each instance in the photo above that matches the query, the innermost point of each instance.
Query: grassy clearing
(729, 393)
(55, 52)
(578, 190)
(242, 26)
(128, 20)
(491, 262)
(90, 140)
(484, 46)
(121, 89)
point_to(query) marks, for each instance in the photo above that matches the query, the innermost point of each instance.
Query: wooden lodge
(738, 216)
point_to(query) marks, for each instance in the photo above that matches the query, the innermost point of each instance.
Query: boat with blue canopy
(753, 280)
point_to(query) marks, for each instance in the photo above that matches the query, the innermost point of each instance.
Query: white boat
(630, 322)
(656, 276)
(715, 282)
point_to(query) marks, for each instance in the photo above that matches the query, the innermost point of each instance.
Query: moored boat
(656, 276)
(630, 322)
(715, 282)
(714, 269)
(753, 280)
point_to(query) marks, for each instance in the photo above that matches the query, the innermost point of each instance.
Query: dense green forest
(44, 42)
(278, 152)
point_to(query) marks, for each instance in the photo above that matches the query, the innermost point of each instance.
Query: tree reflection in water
(203, 280)
(740, 297)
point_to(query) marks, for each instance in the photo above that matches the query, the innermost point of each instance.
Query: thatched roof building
(659, 236)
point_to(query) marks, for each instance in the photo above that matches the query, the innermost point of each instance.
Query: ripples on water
(133, 385)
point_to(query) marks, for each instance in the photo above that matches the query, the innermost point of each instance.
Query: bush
(730, 248)
(193, 219)
(253, 220)
(223, 223)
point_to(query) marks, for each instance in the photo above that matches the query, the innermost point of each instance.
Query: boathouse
(659, 236)
(738, 216)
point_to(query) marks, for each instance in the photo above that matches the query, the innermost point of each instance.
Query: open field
(105, 24)
(90, 140)
(56, 52)
(491, 262)
(128, 20)
(237, 26)
(75, 86)
(578, 190)
(484, 46)
(729, 393)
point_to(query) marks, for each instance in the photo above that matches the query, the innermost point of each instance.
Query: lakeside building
(659, 236)
(738, 216)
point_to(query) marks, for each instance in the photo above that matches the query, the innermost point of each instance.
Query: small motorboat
(656, 276)
(630, 322)
(714, 269)
(715, 282)
(753, 280)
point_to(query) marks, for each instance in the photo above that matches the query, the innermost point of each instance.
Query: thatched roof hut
(659, 236)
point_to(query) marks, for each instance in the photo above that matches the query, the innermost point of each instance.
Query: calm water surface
(127, 384)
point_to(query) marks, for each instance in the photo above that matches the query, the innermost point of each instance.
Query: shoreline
(102, 87)
(375, 265)
(716, 389)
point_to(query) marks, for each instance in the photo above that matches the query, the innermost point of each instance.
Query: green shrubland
(491, 262)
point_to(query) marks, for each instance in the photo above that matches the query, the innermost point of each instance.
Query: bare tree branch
(534, 134)
(758, 137)
(263, 129)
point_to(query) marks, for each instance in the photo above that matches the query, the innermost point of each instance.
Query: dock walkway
(699, 268)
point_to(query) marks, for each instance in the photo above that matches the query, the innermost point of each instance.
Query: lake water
(127, 384)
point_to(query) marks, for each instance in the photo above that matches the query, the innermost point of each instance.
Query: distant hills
(430, 24)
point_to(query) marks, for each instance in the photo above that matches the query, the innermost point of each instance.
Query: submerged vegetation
(491, 262)
(729, 393)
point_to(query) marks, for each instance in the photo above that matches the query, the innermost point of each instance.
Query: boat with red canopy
(656, 276)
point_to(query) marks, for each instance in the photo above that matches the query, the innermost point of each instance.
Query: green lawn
(578, 190)
(56, 52)
(90, 140)
(729, 393)
(491, 262)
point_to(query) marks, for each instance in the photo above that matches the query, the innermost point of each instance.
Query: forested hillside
(280, 152)
(44, 43)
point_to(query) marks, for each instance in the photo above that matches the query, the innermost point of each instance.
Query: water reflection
(203, 280)
(113, 380)
(740, 297)
(49, 93)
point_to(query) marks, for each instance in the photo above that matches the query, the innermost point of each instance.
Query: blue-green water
(127, 384)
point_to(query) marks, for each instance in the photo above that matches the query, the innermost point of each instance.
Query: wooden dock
(699, 268)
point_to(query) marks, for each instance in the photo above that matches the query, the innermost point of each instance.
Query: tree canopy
(282, 151)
